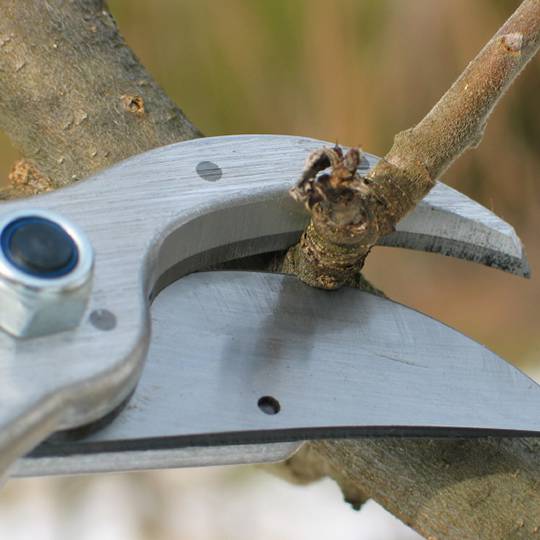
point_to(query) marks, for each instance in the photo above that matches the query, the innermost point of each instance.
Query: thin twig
(350, 213)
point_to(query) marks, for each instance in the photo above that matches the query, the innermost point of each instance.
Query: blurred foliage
(357, 72)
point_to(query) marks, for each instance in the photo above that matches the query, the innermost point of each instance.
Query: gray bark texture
(74, 99)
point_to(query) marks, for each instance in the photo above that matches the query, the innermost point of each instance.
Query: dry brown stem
(348, 218)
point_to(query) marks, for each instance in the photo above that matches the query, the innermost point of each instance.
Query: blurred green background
(357, 72)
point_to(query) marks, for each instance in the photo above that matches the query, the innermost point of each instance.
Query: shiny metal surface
(159, 458)
(340, 364)
(34, 306)
(157, 216)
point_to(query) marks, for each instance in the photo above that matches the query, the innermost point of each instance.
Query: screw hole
(103, 319)
(269, 405)
(209, 171)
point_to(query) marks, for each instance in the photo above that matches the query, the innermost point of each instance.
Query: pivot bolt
(45, 273)
(39, 247)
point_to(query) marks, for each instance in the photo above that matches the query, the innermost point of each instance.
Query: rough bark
(444, 489)
(350, 213)
(74, 99)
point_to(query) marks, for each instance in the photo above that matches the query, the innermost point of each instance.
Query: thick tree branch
(73, 97)
(444, 488)
(350, 213)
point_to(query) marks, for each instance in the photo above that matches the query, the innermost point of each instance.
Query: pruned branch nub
(341, 183)
(349, 213)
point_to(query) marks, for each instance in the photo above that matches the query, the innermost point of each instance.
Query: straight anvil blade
(230, 347)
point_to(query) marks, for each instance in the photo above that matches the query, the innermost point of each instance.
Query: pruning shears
(117, 353)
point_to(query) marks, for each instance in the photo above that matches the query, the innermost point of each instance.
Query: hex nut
(42, 292)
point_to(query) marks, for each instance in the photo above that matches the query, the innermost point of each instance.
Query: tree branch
(443, 488)
(73, 97)
(350, 213)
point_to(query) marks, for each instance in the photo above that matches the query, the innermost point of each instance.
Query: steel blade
(160, 215)
(336, 364)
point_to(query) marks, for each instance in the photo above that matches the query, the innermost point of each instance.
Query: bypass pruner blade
(77, 324)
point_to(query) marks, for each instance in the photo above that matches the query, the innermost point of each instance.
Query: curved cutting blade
(231, 348)
(448, 223)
